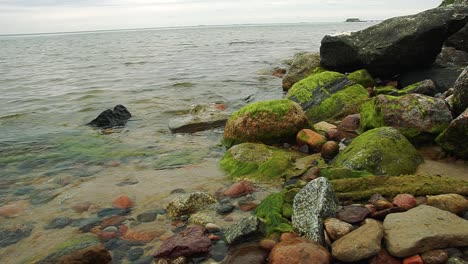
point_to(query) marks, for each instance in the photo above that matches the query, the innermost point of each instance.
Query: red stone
(106, 236)
(112, 221)
(384, 258)
(122, 202)
(221, 107)
(123, 230)
(188, 242)
(311, 138)
(143, 236)
(405, 201)
(351, 122)
(247, 206)
(239, 189)
(13, 209)
(416, 259)
(213, 237)
(288, 236)
(299, 250)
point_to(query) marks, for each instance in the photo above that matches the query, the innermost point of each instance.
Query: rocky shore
(327, 174)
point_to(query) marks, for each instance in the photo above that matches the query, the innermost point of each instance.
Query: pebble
(81, 206)
(59, 223)
(86, 224)
(435, 257)
(353, 214)
(112, 211)
(13, 209)
(239, 189)
(115, 220)
(135, 253)
(210, 227)
(247, 206)
(148, 216)
(405, 201)
(336, 228)
(13, 234)
(122, 202)
(218, 250)
(111, 229)
(267, 243)
(225, 209)
(330, 149)
(179, 191)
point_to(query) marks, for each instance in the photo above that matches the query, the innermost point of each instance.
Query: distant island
(354, 20)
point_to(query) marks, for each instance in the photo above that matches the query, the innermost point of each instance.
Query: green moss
(269, 211)
(417, 185)
(338, 104)
(276, 107)
(302, 91)
(179, 158)
(371, 116)
(380, 151)
(287, 211)
(389, 90)
(362, 77)
(332, 173)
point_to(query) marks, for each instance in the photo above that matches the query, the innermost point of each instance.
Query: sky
(41, 16)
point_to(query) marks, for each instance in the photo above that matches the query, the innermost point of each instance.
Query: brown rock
(143, 235)
(353, 214)
(311, 138)
(336, 228)
(323, 127)
(384, 258)
(330, 149)
(338, 135)
(351, 122)
(311, 174)
(95, 254)
(81, 207)
(13, 209)
(405, 201)
(453, 203)
(435, 257)
(299, 251)
(382, 204)
(112, 221)
(247, 206)
(267, 243)
(288, 236)
(362, 243)
(188, 242)
(380, 215)
(239, 189)
(122, 202)
(246, 253)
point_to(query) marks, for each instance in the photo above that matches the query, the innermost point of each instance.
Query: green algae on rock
(327, 95)
(302, 66)
(333, 173)
(263, 163)
(362, 77)
(270, 212)
(417, 185)
(416, 116)
(381, 151)
(265, 121)
(454, 138)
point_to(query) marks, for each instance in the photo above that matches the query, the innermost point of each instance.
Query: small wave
(129, 63)
(12, 116)
(242, 42)
(183, 84)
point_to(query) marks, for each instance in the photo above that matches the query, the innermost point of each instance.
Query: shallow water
(51, 85)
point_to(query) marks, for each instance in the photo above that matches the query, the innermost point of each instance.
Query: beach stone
(200, 219)
(81, 206)
(362, 243)
(189, 203)
(324, 127)
(302, 66)
(310, 138)
(416, 259)
(247, 227)
(380, 215)
(135, 253)
(405, 201)
(13, 209)
(239, 188)
(362, 77)
(115, 220)
(353, 214)
(122, 202)
(336, 228)
(422, 229)
(297, 251)
(224, 208)
(105, 212)
(460, 93)
(111, 229)
(244, 254)
(381, 151)
(10, 235)
(75, 244)
(435, 257)
(86, 224)
(211, 227)
(453, 203)
(312, 205)
(219, 250)
(267, 243)
(384, 258)
(148, 216)
(186, 243)
(329, 150)
(327, 96)
(265, 122)
(59, 223)
(350, 122)
(245, 206)
(116, 117)
(94, 254)
(418, 117)
(349, 52)
(450, 141)
(142, 235)
(382, 204)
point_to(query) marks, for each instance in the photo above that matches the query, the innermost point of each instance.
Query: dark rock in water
(453, 139)
(247, 227)
(24, 190)
(87, 224)
(225, 208)
(95, 254)
(116, 117)
(135, 253)
(13, 234)
(459, 40)
(303, 65)
(186, 243)
(112, 211)
(59, 223)
(148, 216)
(384, 53)
(219, 251)
(460, 93)
(76, 244)
(244, 254)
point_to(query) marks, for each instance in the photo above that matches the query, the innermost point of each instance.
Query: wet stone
(43, 196)
(225, 209)
(24, 190)
(148, 216)
(86, 224)
(127, 182)
(13, 234)
(135, 253)
(353, 214)
(59, 223)
(112, 211)
(180, 191)
(219, 251)
(111, 229)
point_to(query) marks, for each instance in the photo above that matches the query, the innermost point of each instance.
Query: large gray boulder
(422, 229)
(383, 53)
(312, 205)
(302, 66)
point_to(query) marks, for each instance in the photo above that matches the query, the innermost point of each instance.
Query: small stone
(435, 257)
(189, 203)
(59, 223)
(267, 244)
(405, 201)
(111, 229)
(142, 235)
(200, 219)
(351, 122)
(122, 202)
(188, 242)
(13, 234)
(112, 211)
(148, 216)
(311, 174)
(299, 250)
(135, 253)
(210, 227)
(382, 204)
(246, 227)
(336, 228)
(416, 259)
(288, 236)
(218, 251)
(330, 149)
(94, 254)
(106, 236)
(85, 225)
(81, 207)
(353, 214)
(380, 215)
(384, 258)
(213, 237)
(13, 209)
(453, 203)
(311, 138)
(239, 189)
(225, 209)
(115, 220)
(247, 206)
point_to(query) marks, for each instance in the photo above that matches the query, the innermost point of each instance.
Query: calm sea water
(51, 85)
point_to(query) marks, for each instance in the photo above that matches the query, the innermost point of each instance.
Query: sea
(52, 85)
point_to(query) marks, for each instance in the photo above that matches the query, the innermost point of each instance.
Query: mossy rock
(275, 214)
(380, 151)
(454, 138)
(418, 117)
(266, 122)
(362, 77)
(302, 66)
(263, 163)
(389, 186)
(327, 96)
(388, 90)
(332, 173)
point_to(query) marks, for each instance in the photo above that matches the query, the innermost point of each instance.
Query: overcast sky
(34, 16)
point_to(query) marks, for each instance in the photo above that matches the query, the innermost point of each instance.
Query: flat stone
(112, 211)
(453, 203)
(362, 243)
(148, 216)
(422, 229)
(13, 234)
(59, 223)
(135, 253)
(336, 228)
(312, 205)
(435, 257)
(189, 203)
(353, 214)
(186, 243)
